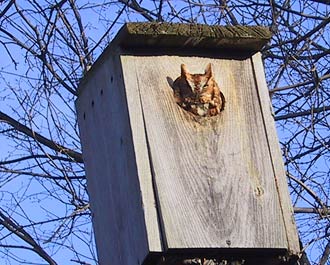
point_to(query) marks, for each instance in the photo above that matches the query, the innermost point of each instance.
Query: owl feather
(198, 93)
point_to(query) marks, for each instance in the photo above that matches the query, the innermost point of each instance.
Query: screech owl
(198, 93)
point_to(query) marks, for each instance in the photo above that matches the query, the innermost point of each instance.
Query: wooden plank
(142, 159)
(280, 176)
(178, 35)
(117, 199)
(214, 177)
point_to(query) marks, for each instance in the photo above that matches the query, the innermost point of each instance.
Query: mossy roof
(171, 35)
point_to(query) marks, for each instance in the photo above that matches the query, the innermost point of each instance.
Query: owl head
(197, 82)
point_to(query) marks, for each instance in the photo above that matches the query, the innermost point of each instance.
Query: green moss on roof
(193, 35)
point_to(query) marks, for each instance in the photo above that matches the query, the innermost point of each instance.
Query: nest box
(168, 186)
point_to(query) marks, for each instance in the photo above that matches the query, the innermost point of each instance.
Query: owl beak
(197, 88)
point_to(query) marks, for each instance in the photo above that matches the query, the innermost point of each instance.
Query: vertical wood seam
(270, 154)
(161, 229)
(149, 206)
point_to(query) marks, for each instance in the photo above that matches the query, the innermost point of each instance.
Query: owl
(198, 93)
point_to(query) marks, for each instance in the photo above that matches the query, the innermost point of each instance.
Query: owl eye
(206, 85)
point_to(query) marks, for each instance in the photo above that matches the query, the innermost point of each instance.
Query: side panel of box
(113, 170)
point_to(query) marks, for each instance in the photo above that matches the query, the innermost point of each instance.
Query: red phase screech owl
(198, 93)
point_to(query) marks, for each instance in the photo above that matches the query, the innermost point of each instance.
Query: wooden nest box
(168, 186)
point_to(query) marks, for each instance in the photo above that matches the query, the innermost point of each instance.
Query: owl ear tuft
(184, 71)
(208, 70)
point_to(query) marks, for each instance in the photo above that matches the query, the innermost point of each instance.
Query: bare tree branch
(326, 255)
(310, 192)
(4, 11)
(302, 113)
(25, 236)
(324, 213)
(133, 4)
(327, 2)
(41, 139)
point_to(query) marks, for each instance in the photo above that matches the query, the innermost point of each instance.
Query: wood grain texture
(214, 177)
(124, 212)
(278, 165)
(179, 35)
(142, 160)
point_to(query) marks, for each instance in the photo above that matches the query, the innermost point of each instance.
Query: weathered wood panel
(119, 183)
(214, 178)
(280, 176)
(176, 35)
